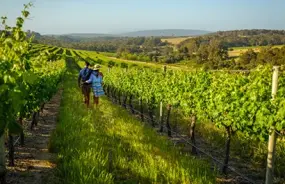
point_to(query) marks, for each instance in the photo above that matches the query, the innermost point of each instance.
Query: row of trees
(214, 55)
(138, 44)
(267, 55)
(240, 38)
(250, 32)
(211, 53)
(209, 50)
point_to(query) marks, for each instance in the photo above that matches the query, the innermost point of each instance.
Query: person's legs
(96, 100)
(83, 93)
(87, 100)
(87, 95)
(86, 92)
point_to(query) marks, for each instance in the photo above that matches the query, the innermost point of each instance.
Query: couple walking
(91, 78)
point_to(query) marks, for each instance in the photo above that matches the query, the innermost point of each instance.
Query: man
(84, 75)
(96, 80)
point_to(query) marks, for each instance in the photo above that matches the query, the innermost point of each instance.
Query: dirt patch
(33, 162)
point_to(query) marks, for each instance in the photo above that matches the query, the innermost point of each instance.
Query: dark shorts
(86, 89)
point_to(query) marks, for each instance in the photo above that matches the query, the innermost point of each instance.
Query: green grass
(109, 54)
(107, 145)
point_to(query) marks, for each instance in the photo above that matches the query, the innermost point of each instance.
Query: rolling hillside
(158, 33)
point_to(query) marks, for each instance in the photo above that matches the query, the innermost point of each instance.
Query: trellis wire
(199, 149)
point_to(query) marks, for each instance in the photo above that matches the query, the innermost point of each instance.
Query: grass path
(107, 145)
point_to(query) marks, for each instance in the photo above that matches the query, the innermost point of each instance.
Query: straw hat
(96, 67)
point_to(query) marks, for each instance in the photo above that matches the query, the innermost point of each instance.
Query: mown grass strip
(107, 145)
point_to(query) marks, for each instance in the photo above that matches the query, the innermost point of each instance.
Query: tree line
(214, 55)
(209, 50)
(267, 55)
(241, 38)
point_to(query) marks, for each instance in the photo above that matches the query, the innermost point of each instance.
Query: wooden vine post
(141, 109)
(168, 113)
(160, 117)
(131, 104)
(114, 96)
(2, 159)
(273, 135)
(228, 144)
(22, 136)
(167, 120)
(160, 109)
(192, 133)
(119, 97)
(11, 150)
(125, 96)
(124, 104)
(150, 111)
(34, 120)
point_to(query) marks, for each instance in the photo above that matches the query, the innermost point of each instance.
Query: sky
(118, 16)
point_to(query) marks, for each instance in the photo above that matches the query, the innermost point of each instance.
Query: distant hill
(166, 33)
(144, 33)
(89, 35)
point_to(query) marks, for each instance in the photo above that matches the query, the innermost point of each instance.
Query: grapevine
(26, 81)
(235, 102)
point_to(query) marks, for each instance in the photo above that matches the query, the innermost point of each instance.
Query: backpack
(86, 74)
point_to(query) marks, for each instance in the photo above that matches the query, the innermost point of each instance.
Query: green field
(237, 51)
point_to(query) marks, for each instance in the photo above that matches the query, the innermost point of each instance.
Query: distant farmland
(237, 51)
(175, 40)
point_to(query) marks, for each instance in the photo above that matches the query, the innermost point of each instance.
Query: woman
(96, 80)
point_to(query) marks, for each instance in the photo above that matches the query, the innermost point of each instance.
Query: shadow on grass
(149, 145)
(111, 145)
